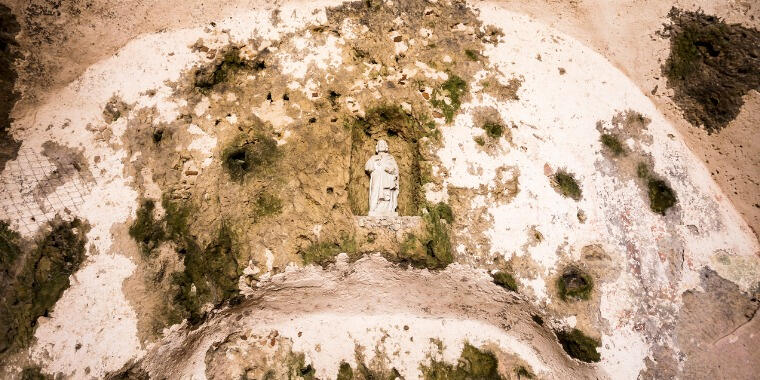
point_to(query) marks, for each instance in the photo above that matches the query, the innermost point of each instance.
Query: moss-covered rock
(35, 276)
(661, 196)
(449, 95)
(250, 155)
(432, 250)
(9, 52)
(711, 66)
(578, 345)
(612, 143)
(10, 246)
(473, 364)
(567, 185)
(267, 204)
(323, 253)
(574, 284)
(505, 280)
(34, 373)
(345, 372)
(147, 231)
(210, 274)
(224, 68)
(365, 372)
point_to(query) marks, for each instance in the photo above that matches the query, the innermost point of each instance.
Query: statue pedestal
(385, 233)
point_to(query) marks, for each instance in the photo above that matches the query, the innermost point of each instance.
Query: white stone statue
(383, 182)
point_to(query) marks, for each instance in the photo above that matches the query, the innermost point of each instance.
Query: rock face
(551, 222)
(387, 234)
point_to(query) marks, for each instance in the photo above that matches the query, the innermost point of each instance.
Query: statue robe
(383, 184)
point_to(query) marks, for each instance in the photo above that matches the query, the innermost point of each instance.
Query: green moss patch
(711, 66)
(148, 232)
(473, 364)
(505, 280)
(210, 274)
(642, 170)
(345, 372)
(34, 276)
(297, 368)
(661, 196)
(33, 373)
(250, 155)
(454, 89)
(524, 373)
(9, 52)
(323, 253)
(364, 372)
(567, 185)
(10, 245)
(579, 346)
(612, 143)
(494, 130)
(267, 204)
(574, 284)
(433, 249)
(471, 54)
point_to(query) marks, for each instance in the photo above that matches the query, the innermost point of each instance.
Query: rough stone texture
(9, 27)
(382, 234)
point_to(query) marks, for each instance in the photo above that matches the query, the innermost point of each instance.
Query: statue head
(381, 146)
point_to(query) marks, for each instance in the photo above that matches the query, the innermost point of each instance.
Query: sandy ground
(621, 32)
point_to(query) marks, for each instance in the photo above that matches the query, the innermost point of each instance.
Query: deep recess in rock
(711, 66)
(249, 155)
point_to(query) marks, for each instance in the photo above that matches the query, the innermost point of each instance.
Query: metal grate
(33, 189)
